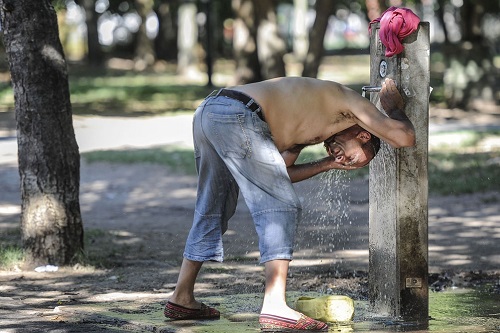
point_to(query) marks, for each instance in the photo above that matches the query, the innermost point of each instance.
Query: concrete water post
(398, 235)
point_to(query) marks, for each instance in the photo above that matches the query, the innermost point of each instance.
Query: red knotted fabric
(395, 24)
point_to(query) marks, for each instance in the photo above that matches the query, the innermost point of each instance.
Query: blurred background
(227, 42)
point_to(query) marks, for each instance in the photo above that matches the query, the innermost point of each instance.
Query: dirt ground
(137, 217)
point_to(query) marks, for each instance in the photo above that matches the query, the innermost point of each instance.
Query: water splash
(329, 217)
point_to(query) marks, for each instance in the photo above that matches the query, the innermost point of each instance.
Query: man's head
(353, 147)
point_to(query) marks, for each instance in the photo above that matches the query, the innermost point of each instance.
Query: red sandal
(178, 312)
(270, 323)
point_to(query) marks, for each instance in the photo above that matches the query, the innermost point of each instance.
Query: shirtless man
(247, 138)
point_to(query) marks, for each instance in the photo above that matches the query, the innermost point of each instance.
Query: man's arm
(299, 172)
(396, 129)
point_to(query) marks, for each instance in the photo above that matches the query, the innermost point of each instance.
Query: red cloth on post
(395, 24)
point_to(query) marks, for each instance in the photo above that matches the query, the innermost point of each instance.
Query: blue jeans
(234, 152)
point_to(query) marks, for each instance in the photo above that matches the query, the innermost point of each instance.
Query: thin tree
(95, 55)
(323, 8)
(145, 56)
(49, 161)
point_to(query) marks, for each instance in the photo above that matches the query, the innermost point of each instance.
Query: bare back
(304, 111)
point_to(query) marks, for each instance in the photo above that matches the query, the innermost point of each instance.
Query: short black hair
(373, 145)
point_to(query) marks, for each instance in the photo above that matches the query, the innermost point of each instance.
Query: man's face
(347, 152)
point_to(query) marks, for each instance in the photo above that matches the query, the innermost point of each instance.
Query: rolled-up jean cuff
(280, 256)
(203, 259)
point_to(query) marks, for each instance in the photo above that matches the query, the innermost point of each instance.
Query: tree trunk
(187, 61)
(271, 48)
(144, 49)
(49, 161)
(300, 34)
(166, 41)
(324, 8)
(245, 44)
(95, 55)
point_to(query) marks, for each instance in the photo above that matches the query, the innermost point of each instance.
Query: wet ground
(454, 311)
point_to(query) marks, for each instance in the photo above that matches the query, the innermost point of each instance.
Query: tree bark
(49, 161)
(324, 8)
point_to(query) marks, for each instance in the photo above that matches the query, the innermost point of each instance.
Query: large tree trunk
(49, 161)
(271, 47)
(245, 44)
(324, 8)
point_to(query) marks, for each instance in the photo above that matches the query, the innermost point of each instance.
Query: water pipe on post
(398, 219)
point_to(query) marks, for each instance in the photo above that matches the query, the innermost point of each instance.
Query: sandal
(270, 323)
(178, 312)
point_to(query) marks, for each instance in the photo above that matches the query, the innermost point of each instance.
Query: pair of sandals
(268, 323)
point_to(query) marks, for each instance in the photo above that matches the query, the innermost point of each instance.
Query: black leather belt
(240, 97)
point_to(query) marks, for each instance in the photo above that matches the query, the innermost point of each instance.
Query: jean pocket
(229, 133)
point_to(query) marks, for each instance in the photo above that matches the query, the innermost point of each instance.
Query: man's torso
(301, 111)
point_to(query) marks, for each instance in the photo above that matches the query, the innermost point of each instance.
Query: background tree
(166, 40)
(49, 161)
(271, 47)
(323, 8)
(95, 55)
(145, 56)
(187, 61)
(470, 74)
(245, 43)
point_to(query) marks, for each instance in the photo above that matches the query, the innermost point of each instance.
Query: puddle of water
(454, 311)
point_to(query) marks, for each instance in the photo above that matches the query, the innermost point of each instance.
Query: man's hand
(332, 164)
(390, 98)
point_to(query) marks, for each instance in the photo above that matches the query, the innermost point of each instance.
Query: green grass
(10, 256)
(456, 167)
(175, 158)
(452, 173)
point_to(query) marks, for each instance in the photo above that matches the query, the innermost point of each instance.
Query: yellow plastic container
(330, 308)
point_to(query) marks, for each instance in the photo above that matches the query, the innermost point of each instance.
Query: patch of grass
(175, 158)
(452, 173)
(11, 256)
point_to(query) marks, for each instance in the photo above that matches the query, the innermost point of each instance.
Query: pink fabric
(395, 24)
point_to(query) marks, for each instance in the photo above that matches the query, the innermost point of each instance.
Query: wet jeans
(234, 152)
